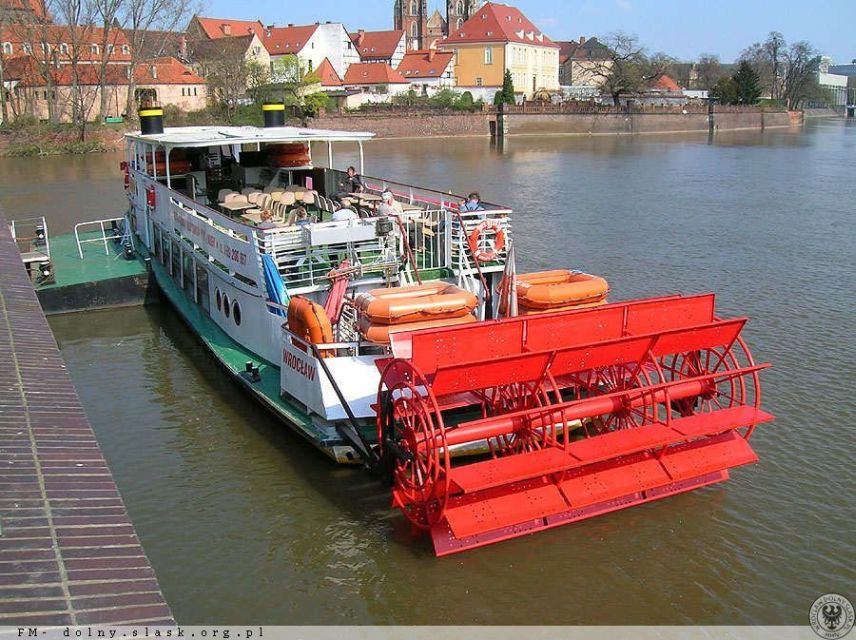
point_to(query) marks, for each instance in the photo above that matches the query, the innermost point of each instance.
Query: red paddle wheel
(579, 413)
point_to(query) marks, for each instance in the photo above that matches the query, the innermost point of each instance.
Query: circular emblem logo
(831, 616)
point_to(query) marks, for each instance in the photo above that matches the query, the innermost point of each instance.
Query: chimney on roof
(582, 40)
(154, 70)
(290, 24)
(270, 26)
(182, 47)
(227, 29)
(431, 53)
(252, 30)
(361, 35)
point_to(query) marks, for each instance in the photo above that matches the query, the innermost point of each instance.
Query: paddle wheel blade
(581, 413)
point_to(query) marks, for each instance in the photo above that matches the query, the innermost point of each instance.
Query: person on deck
(472, 203)
(389, 206)
(299, 216)
(345, 212)
(352, 183)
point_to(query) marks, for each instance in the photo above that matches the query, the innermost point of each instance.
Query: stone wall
(420, 125)
(410, 125)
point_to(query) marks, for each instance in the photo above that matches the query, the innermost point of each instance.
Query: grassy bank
(30, 138)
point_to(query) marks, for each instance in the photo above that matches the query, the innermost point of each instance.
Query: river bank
(39, 139)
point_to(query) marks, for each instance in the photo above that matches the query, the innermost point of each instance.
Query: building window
(182, 92)
(478, 82)
(414, 30)
(28, 48)
(110, 49)
(459, 8)
(7, 48)
(46, 48)
(460, 22)
(194, 90)
(309, 66)
(126, 50)
(94, 49)
(488, 55)
(413, 11)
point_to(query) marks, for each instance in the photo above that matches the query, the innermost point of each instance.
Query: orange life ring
(309, 322)
(380, 333)
(401, 305)
(559, 289)
(487, 255)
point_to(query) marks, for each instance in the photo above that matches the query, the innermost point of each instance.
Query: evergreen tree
(725, 90)
(506, 94)
(748, 84)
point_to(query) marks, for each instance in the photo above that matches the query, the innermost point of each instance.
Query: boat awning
(215, 136)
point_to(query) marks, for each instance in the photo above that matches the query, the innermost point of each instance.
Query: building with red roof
(310, 45)
(164, 80)
(428, 69)
(63, 44)
(377, 81)
(497, 38)
(667, 84)
(327, 75)
(380, 46)
(211, 28)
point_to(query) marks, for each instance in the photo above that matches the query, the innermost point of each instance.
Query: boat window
(236, 313)
(226, 308)
(217, 299)
(187, 280)
(175, 263)
(202, 287)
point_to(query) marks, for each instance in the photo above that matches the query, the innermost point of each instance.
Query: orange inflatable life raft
(559, 289)
(380, 333)
(399, 305)
(294, 154)
(309, 322)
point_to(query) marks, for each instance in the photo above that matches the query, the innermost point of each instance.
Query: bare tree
(230, 74)
(766, 59)
(107, 12)
(708, 71)
(629, 68)
(140, 17)
(801, 63)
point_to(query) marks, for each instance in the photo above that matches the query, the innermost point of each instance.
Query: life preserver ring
(487, 255)
(309, 322)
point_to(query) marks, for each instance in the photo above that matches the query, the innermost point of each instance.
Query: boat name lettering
(197, 231)
(300, 366)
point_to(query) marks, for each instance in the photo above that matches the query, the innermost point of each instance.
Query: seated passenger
(267, 221)
(389, 206)
(352, 183)
(472, 203)
(299, 216)
(345, 211)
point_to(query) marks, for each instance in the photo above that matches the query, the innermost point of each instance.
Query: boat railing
(116, 230)
(31, 236)
(462, 226)
(352, 347)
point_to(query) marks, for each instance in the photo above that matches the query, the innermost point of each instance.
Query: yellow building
(500, 37)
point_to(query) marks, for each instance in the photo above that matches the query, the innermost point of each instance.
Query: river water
(246, 524)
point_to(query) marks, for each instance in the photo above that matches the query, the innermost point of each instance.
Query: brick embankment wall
(410, 125)
(605, 123)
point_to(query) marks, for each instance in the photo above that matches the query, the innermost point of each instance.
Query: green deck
(70, 270)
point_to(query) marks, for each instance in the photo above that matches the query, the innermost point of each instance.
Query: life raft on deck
(178, 163)
(309, 322)
(400, 305)
(293, 154)
(558, 290)
(381, 333)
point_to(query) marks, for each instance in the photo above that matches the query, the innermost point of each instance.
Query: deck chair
(287, 198)
(221, 195)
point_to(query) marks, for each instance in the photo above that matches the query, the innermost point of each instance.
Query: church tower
(411, 16)
(458, 12)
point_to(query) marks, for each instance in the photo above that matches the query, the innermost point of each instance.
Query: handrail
(127, 235)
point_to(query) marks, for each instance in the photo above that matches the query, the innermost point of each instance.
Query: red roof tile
(499, 23)
(25, 5)
(218, 27)
(425, 63)
(665, 83)
(283, 40)
(327, 74)
(373, 73)
(376, 44)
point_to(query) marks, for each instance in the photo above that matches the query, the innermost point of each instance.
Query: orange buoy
(487, 255)
(559, 289)
(380, 333)
(399, 305)
(309, 322)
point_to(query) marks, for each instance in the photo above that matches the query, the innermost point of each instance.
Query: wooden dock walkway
(68, 551)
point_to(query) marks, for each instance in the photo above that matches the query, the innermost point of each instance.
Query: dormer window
(94, 49)
(111, 48)
(63, 48)
(27, 48)
(126, 50)
(7, 48)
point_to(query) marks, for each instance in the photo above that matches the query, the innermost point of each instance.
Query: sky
(681, 28)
